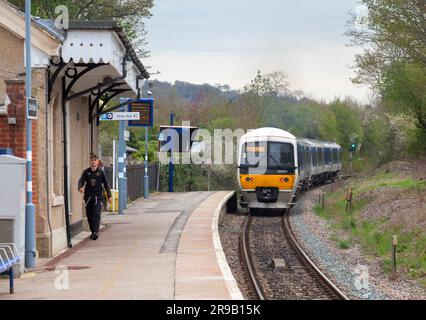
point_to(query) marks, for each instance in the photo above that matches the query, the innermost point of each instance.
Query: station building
(77, 73)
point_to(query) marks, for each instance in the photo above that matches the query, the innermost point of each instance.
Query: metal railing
(135, 174)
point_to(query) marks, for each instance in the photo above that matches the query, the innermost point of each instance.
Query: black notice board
(146, 109)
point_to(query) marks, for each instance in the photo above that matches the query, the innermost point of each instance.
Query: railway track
(265, 238)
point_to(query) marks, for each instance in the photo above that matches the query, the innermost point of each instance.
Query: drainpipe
(64, 128)
(47, 168)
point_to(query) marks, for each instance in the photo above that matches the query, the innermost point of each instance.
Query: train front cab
(270, 183)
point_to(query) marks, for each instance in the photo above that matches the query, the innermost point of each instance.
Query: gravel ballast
(360, 277)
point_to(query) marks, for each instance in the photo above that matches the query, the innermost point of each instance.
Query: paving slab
(199, 271)
(134, 257)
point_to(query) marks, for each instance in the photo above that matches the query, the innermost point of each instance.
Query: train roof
(318, 143)
(269, 131)
(279, 133)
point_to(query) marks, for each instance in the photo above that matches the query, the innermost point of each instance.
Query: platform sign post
(30, 213)
(123, 136)
(171, 164)
(122, 179)
(145, 107)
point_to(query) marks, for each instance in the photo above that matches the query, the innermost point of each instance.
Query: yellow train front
(267, 172)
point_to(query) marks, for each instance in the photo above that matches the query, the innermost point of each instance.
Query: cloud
(227, 41)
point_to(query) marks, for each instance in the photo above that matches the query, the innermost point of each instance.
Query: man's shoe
(91, 236)
(95, 236)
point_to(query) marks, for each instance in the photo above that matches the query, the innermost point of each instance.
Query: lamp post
(30, 252)
(145, 177)
(171, 164)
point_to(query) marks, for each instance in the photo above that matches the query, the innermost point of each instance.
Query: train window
(299, 156)
(280, 155)
(314, 157)
(320, 156)
(306, 156)
(327, 155)
(335, 156)
(254, 153)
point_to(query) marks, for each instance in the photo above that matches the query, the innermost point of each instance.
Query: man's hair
(93, 156)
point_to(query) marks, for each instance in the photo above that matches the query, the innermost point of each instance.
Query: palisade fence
(135, 174)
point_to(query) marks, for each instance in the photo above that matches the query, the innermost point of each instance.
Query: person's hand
(109, 200)
(81, 190)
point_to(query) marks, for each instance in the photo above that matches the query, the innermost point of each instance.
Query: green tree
(128, 13)
(374, 145)
(394, 63)
(393, 30)
(404, 91)
(348, 122)
(108, 131)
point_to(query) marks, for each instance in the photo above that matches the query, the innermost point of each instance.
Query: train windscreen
(267, 158)
(280, 155)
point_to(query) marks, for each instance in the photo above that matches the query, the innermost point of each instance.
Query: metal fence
(135, 174)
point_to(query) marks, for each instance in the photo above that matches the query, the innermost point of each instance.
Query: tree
(404, 91)
(270, 85)
(278, 80)
(349, 124)
(394, 63)
(128, 13)
(394, 28)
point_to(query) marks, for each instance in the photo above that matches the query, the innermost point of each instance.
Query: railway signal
(352, 146)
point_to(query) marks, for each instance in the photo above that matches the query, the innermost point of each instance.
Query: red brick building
(76, 74)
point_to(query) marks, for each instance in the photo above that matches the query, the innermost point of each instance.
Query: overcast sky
(227, 41)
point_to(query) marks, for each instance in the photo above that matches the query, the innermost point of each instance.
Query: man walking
(90, 183)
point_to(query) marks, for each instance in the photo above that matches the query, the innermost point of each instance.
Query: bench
(9, 256)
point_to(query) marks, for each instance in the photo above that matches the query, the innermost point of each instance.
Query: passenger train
(274, 165)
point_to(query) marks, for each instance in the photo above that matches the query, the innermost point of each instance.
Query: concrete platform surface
(153, 251)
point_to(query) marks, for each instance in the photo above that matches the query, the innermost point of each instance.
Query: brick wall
(14, 135)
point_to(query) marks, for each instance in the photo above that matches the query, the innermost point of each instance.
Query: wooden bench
(9, 256)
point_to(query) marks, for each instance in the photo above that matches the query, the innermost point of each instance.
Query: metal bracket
(52, 76)
(98, 96)
(105, 100)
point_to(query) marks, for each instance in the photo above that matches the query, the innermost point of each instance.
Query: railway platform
(166, 247)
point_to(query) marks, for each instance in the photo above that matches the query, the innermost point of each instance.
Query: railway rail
(265, 237)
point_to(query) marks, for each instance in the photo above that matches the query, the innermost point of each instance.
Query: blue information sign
(145, 107)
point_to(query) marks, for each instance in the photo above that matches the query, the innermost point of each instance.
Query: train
(274, 166)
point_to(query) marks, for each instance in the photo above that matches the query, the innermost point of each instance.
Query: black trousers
(93, 212)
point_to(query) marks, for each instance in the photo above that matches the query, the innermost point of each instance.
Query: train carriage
(273, 165)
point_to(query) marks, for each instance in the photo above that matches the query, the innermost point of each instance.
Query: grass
(344, 244)
(411, 248)
(391, 181)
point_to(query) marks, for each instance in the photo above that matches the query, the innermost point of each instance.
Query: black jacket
(92, 182)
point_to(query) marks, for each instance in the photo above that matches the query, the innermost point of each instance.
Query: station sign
(32, 106)
(120, 116)
(145, 107)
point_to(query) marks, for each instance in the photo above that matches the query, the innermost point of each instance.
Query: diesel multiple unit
(274, 165)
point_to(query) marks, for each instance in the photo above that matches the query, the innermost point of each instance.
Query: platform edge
(230, 281)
